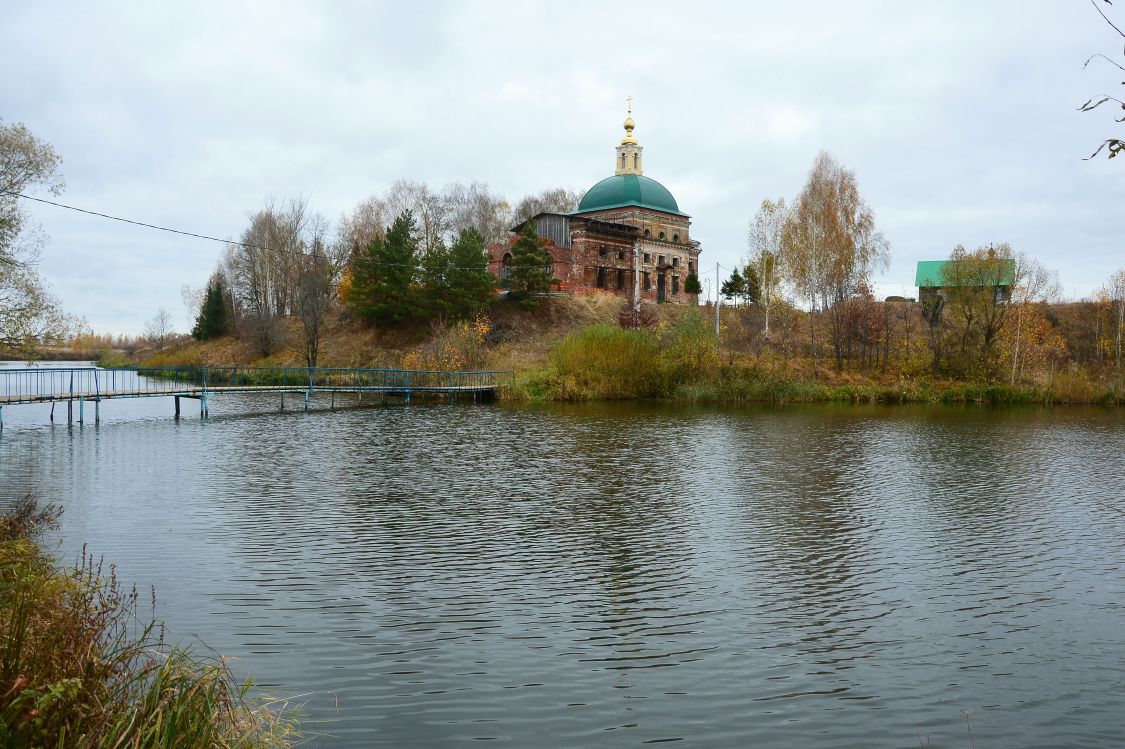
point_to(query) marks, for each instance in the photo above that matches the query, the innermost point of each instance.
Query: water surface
(613, 575)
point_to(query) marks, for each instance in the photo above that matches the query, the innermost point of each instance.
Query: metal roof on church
(623, 190)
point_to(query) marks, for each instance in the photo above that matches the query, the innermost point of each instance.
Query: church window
(662, 235)
(675, 262)
(647, 281)
(505, 263)
(660, 260)
(648, 233)
(622, 161)
(648, 258)
(690, 267)
(636, 160)
(675, 284)
(601, 278)
(675, 237)
(601, 251)
(620, 278)
(621, 254)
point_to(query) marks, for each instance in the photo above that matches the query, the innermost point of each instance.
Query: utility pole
(636, 286)
(716, 301)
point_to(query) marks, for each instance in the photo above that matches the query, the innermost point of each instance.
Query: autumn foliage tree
(830, 246)
(29, 313)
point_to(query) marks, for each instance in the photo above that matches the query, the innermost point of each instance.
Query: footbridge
(77, 386)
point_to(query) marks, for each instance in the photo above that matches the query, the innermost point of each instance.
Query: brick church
(628, 236)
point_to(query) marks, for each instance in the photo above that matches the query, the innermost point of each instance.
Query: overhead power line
(196, 235)
(146, 225)
(181, 232)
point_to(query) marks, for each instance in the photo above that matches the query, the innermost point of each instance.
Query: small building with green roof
(935, 277)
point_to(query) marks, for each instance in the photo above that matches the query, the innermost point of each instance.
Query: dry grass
(80, 668)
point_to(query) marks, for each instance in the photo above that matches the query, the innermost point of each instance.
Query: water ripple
(612, 576)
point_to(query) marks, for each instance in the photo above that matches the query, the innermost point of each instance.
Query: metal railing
(56, 384)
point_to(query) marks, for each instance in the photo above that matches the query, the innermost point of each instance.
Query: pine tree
(383, 289)
(213, 320)
(433, 273)
(532, 271)
(733, 287)
(692, 285)
(470, 287)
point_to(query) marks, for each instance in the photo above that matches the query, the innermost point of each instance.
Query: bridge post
(81, 409)
(97, 411)
(306, 400)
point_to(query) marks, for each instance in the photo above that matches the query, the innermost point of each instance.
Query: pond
(619, 574)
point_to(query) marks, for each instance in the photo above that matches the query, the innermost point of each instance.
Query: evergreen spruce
(532, 271)
(213, 320)
(434, 276)
(470, 287)
(383, 289)
(692, 285)
(733, 287)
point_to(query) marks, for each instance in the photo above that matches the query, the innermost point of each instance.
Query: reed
(79, 666)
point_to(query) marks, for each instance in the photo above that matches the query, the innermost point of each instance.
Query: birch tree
(1033, 284)
(1115, 291)
(765, 240)
(831, 245)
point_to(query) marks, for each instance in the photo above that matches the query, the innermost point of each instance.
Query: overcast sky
(958, 117)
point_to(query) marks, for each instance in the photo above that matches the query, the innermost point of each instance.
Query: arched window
(648, 233)
(662, 235)
(622, 161)
(675, 237)
(636, 160)
(505, 265)
(601, 251)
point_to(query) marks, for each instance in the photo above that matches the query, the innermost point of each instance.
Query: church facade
(628, 237)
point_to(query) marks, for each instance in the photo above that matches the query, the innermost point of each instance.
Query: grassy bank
(80, 668)
(679, 360)
(572, 349)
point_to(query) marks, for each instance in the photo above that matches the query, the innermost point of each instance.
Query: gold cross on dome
(629, 103)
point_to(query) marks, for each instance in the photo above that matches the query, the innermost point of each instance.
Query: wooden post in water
(97, 411)
(177, 408)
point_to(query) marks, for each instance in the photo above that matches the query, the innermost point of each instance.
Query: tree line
(411, 254)
(993, 314)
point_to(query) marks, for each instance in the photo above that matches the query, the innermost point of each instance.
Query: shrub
(78, 668)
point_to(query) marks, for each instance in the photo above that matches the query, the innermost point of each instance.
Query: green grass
(79, 667)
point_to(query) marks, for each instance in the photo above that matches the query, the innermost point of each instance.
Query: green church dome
(623, 190)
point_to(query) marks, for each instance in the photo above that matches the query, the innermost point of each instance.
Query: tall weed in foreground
(80, 668)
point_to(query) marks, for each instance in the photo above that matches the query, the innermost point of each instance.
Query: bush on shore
(79, 668)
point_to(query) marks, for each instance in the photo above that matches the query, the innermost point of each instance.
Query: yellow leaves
(451, 348)
(1030, 347)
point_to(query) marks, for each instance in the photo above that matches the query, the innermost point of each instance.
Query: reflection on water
(615, 575)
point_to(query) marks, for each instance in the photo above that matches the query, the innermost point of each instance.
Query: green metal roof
(932, 273)
(623, 190)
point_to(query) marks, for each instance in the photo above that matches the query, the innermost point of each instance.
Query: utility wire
(193, 234)
(148, 226)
